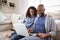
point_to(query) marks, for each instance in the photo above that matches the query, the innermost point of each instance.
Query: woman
(44, 26)
(29, 20)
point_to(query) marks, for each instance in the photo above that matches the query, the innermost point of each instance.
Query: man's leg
(31, 38)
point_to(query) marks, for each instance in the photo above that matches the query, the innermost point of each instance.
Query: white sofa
(6, 25)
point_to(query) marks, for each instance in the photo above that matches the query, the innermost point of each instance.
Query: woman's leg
(13, 34)
(12, 37)
(16, 37)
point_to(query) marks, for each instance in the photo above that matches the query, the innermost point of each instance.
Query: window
(50, 5)
(33, 3)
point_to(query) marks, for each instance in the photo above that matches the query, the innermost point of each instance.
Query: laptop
(20, 28)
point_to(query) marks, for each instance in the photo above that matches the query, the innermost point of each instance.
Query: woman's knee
(13, 37)
(16, 37)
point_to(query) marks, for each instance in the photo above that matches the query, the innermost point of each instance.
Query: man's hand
(41, 35)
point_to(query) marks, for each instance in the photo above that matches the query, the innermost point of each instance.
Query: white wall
(34, 3)
(6, 8)
(22, 6)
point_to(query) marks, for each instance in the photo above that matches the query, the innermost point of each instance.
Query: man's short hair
(41, 5)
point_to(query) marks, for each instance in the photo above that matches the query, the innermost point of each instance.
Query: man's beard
(42, 14)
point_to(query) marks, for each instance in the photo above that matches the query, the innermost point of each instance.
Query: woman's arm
(28, 24)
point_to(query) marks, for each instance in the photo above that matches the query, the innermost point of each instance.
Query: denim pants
(14, 36)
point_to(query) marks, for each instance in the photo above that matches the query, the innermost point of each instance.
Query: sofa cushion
(6, 21)
(5, 27)
(2, 16)
(57, 25)
(57, 37)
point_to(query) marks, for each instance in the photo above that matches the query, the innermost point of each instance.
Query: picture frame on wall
(11, 4)
(0, 3)
(4, 1)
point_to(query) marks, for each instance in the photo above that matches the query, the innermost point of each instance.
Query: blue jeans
(14, 36)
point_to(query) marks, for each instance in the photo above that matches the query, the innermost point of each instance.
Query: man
(50, 26)
(44, 26)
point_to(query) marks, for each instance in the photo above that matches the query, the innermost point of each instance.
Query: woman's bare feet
(8, 35)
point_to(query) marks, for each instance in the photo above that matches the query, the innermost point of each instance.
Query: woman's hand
(30, 30)
(8, 35)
